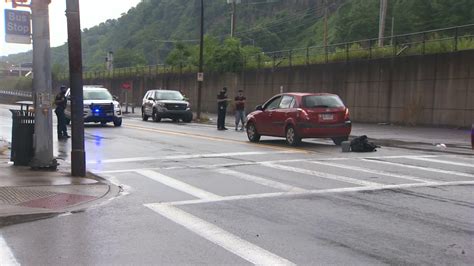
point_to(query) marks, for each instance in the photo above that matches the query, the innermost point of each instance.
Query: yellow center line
(215, 138)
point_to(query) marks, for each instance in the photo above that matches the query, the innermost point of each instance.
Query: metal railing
(26, 94)
(420, 43)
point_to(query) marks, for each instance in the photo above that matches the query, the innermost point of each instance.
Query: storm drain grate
(16, 195)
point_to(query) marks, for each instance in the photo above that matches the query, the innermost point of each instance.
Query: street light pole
(42, 87)
(201, 51)
(78, 155)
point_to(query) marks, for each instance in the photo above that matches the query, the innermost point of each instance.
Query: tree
(180, 56)
(128, 58)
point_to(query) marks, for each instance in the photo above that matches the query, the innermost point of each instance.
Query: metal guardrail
(17, 93)
(419, 43)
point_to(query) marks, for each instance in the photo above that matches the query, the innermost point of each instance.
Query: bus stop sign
(17, 26)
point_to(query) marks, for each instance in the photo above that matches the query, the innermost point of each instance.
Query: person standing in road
(240, 110)
(221, 109)
(61, 102)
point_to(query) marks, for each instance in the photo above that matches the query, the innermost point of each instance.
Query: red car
(300, 115)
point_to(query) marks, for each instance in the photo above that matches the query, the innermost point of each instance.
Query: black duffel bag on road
(362, 144)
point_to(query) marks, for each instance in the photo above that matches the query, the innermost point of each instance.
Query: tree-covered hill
(146, 33)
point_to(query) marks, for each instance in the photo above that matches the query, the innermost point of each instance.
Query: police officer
(221, 109)
(61, 102)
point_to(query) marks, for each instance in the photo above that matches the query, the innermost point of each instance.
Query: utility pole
(109, 61)
(42, 87)
(201, 51)
(383, 13)
(233, 19)
(78, 155)
(392, 30)
(325, 23)
(232, 23)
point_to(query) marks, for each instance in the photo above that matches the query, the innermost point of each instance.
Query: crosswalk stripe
(377, 172)
(178, 185)
(441, 161)
(322, 175)
(6, 255)
(259, 180)
(419, 168)
(214, 166)
(232, 243)
(323, 191)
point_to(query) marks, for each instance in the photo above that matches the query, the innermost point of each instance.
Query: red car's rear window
(322, 101)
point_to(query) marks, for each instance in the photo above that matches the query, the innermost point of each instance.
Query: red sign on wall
(127, 85)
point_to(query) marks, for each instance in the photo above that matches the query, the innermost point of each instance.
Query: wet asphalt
(195, 195)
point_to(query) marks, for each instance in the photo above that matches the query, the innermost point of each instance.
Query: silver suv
(99, 106)
(159, 104)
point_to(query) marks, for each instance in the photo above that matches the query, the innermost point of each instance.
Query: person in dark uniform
(221, 109)
(61, 102)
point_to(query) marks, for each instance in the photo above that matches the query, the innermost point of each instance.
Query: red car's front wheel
(252, 133)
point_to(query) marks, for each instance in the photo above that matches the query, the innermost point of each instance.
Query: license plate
(110, 114)
(327, 116)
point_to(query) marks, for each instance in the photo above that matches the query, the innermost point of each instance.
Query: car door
(265, 119)
(148, 102)
(67, 111)
(281, 114)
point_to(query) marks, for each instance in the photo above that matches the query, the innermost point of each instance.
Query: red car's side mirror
(259, 107)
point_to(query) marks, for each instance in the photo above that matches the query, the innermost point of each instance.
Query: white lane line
(377, 172)
(240, 247)
(121, 160)
(6, 255)
(323, 175)
(419, 168)
(178, 185)
(260, 180)
(187, 156)
(229, 154)
(441, 161)
(323, 191)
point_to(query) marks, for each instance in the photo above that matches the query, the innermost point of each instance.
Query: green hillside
(142, 36)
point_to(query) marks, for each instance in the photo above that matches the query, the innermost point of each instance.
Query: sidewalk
(27, 195)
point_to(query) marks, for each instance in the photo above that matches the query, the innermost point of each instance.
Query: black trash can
(23, 128)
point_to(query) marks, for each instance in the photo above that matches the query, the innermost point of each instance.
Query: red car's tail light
(346, 115)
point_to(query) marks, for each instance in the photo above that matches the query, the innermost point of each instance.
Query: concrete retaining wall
(436, 90)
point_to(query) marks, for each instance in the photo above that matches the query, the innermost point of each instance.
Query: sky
(93, 12)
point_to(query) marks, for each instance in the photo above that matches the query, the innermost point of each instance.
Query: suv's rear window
(322, 101)
(97, 95)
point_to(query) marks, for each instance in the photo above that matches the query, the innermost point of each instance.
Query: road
(195, 195)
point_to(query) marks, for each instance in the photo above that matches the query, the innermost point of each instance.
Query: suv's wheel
(156, 117)
(339, 140)
(252, 133)
(291, 136)
(118, 121)
(144, 116)
(188, 118)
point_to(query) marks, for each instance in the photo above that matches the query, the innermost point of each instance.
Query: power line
(276, 23)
